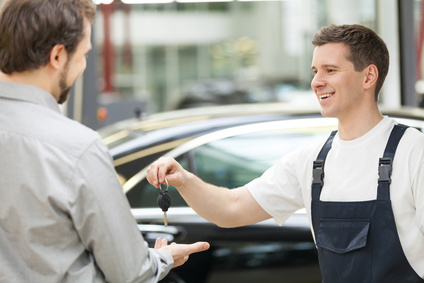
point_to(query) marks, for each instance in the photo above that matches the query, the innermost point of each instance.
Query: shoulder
(413, 137)
(62, 133)
(414, 134)
(73, 136)
(411, 147)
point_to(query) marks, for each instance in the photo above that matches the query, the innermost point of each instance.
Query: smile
(325, 96)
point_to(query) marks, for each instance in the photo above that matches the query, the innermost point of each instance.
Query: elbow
(226, 225)
(230, 219)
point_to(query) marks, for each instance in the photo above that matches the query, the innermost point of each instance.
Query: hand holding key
(166, 169)
(164, 201)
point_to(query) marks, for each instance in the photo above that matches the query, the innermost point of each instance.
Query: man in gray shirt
(63, 215)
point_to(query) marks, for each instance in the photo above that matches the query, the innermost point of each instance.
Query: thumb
(174, 178)
(197, 247)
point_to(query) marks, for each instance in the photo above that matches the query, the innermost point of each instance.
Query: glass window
(231, 162)
(235, 161)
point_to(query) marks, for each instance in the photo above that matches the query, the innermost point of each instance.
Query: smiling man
(63, 214)
(348, 77)
(367, 210)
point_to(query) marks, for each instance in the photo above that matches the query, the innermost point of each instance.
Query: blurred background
(152, 56)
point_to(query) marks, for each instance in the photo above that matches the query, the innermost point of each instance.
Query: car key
(164, 201)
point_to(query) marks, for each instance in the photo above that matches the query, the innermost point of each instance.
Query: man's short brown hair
(29, 29)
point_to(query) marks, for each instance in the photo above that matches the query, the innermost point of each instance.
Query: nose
(317, 81)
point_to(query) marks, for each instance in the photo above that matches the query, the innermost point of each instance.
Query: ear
(58, 56)
(370, 76)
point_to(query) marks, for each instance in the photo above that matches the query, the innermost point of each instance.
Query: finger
(151, 176)
(162, 170)
(149, 179)
(153, 173)
(197, 247)
(158, 243)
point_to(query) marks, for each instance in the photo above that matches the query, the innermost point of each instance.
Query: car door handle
(152, 232)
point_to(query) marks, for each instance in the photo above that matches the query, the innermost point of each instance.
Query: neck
(359, 124)
(33, 78)
(38, 78)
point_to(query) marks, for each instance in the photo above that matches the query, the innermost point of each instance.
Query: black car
(227, 146)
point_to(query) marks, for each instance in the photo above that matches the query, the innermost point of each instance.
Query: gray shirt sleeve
(102, 217)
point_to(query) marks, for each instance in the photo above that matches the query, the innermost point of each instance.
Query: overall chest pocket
(343, 235)
(342, 250)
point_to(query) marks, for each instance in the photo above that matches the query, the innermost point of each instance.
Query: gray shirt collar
(28, 93)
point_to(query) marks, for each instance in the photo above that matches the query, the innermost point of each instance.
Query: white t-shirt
(351, 174)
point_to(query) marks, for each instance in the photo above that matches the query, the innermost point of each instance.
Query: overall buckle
(318, 172)
(385, 169)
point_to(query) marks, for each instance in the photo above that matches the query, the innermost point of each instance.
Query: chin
(324, 112)
(328, 114)
(64, 96)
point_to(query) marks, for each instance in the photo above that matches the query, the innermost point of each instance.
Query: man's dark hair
(29, 29)
(365, 46)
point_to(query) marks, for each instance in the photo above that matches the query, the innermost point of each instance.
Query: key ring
(167, 186)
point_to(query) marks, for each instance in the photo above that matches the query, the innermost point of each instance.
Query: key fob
(164, 200)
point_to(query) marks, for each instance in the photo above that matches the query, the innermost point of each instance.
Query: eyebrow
(325, 66)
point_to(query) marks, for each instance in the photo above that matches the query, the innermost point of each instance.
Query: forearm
(209, 201)
(219, 205)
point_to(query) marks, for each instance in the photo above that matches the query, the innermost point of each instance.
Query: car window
(230, 162)
(235, 161)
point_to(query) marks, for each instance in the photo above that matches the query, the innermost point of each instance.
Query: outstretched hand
(166, 167)
(181, 252)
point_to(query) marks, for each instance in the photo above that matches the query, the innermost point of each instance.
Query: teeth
(327, 95)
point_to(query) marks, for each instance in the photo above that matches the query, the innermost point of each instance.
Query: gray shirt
(63, 215)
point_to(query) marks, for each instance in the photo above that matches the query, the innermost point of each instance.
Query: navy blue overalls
(358, 241)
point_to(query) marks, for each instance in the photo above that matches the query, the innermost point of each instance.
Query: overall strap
(386, 162)
(318, 167)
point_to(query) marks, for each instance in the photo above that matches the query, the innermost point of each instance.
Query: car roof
(134, 134)
(177, 127)
(176, 117)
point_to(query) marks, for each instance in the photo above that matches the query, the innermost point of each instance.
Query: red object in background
(127, 56)
(108, 49)
(101, 114)
(420, 41)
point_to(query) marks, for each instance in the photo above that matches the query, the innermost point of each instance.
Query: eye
(330, 71)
